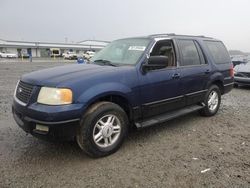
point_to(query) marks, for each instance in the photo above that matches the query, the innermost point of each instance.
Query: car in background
(70, 55)
(239, 59)
(88, 54)
(242, 74)
(55, 52)
(24, 55)
(238, 62)
(8, 55)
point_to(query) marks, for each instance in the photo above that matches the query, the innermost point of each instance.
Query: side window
(218, 52)
(190, 55)
(165, 48)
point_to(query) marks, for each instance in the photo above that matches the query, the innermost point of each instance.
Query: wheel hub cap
(213, 100)
(107, 131)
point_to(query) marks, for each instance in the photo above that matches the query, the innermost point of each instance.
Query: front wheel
(212, 101)
(102, 129)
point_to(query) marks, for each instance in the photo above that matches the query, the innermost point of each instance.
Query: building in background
(49, 49)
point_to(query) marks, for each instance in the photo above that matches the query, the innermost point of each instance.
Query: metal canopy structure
(86, 45)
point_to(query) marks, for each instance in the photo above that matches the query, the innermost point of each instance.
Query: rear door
(194, 71)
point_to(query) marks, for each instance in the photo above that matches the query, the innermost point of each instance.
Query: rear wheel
(102, 129)
(212, 101)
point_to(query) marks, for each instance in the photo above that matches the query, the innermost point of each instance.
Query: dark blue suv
(138, 82)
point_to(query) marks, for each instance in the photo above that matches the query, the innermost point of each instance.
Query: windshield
(122, 52)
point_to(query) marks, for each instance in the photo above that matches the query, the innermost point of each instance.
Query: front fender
(104, 89)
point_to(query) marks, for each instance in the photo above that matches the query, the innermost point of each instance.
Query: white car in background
(69, 55)
(88, 54)
(8, 55)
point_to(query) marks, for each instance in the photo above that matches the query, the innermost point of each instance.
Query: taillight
(231, 71)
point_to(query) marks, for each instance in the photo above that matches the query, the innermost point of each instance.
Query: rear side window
(218, 52)
(190, 55)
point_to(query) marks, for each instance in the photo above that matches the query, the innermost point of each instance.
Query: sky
(78, 20)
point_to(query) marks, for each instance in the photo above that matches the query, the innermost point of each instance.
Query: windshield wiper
(105, 62)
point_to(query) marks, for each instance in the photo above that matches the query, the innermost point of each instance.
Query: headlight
(54, 96)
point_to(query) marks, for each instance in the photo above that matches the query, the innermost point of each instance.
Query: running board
(168, 116)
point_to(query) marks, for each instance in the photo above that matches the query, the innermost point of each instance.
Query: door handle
(207, 71)
(176, 76)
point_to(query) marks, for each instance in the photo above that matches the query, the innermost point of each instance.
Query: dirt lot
(168, 155)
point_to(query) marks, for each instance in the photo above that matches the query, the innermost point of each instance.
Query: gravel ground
(173, 154)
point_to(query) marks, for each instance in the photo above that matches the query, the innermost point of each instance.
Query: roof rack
(173, 34)
(161, 34)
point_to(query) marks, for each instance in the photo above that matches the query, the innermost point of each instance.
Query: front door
(159, 88)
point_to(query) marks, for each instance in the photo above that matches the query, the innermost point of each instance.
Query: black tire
(206, 111)
(88, 123)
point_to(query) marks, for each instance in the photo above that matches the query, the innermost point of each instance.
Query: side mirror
(155, 62)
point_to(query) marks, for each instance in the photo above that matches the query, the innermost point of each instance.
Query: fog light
(42, 128)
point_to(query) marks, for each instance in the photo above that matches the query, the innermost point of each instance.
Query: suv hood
(54, 76)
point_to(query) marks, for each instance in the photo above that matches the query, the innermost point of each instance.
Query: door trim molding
(174, 98)
(162, 101)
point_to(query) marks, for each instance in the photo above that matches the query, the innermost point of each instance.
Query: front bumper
(61, 121)
(242, 81)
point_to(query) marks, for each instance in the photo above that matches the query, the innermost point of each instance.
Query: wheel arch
(219, 83)
(120, 101)
(115, 98)
(114, 92)
(217, 79)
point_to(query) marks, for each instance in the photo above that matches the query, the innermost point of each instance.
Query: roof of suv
(172, 35)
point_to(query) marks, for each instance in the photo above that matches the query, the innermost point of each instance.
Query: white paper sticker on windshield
(137, 48)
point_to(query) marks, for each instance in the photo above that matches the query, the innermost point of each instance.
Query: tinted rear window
(218, 51)
(189, 53)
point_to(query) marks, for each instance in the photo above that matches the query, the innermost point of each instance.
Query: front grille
(24, 91)
(243, 74)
